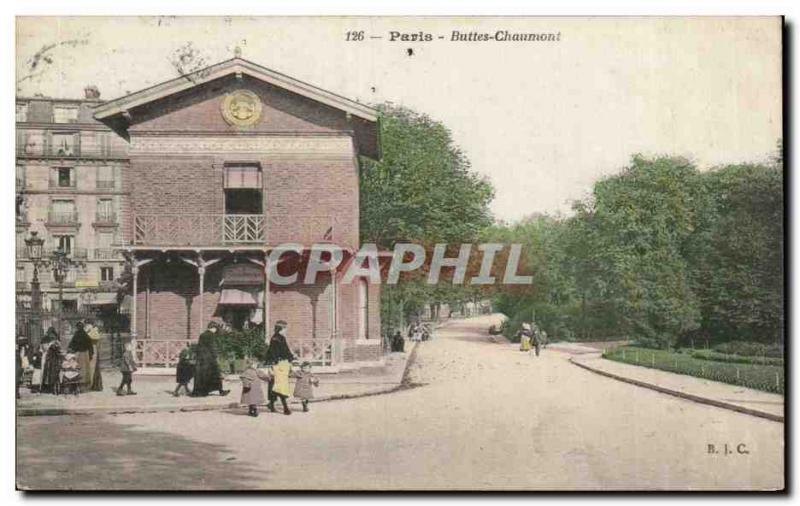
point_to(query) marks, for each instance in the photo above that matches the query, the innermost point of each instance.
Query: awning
(238, 297)
(101, 299)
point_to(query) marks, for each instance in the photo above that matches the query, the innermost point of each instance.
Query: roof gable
(117, 113)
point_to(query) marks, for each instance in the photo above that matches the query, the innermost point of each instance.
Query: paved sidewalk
(734, 397)
(154, 393)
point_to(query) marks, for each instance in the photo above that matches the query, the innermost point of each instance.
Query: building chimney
(91, 92)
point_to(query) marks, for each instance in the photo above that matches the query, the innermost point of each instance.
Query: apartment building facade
(69, 191)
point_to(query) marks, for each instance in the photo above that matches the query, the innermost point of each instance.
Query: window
(21, 277)
(63, 212)
(64, 144)
(363, 310)
(20, 177)
(22, 113)
(243, 176)
(62, 177)
(65, 114)
(105, 210)
(64, 242)
(106, 274)
(105, 177)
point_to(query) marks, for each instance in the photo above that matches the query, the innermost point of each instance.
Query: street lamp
(34, 245)
(60, 262)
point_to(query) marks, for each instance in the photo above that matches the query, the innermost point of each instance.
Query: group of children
(253, 392)
(253, 379)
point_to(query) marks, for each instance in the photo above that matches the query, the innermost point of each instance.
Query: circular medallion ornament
(241, 108)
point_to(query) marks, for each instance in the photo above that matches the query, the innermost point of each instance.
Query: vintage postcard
(400, 254)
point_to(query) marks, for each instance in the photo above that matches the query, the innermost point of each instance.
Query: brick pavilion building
(224, 165)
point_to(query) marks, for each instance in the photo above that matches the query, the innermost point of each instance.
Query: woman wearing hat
(83, 347)
(207, 376)
(279, 357)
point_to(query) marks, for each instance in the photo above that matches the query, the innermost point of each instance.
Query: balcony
(105, 218)
(74, 253)
(198, 230)
(231, 229)
(106, 184)
(63, 185)
(105, 254)
(63, 219)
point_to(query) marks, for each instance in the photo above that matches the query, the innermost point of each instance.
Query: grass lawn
(769, 378)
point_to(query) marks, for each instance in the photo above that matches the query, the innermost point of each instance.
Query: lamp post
(34, 245)
(60, 262)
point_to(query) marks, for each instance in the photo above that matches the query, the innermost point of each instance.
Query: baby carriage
(70, 375)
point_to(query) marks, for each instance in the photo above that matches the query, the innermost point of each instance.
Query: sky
(541, 120)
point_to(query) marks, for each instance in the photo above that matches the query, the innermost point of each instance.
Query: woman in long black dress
(207, 376)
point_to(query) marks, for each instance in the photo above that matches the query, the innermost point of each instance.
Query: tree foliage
(660, 252)
(423, 191)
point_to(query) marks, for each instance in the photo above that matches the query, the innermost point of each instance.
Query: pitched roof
(228, 67)
(114, 112)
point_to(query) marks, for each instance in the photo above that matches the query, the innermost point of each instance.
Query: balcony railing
(159, 353)
(105, 254)
(75, 253)
(105, 218)
(55, 184)
(162, 229)
(62, 218)
(106, 184)
(319, 352)
(37, 149)
(232, 229)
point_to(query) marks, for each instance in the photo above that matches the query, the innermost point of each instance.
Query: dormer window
(65, 114)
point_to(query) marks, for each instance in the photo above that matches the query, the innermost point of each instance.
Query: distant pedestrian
(207, 375)
(279, 357)
(184, 372)
(83, 348)
(304, 387)
(94, 364)
(525, 337)
(537, 340)
(127, 368)
(51, 366)
(398, 343)
(252, 391)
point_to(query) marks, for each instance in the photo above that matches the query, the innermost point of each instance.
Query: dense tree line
(659, 252)
(662, 253)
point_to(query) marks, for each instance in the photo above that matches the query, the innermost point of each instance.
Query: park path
(482, 415)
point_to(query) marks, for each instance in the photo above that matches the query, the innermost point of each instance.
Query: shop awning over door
(238, 297)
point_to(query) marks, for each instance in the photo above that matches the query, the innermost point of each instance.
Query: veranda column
(267, 330)
(135, 272)
(201, 270)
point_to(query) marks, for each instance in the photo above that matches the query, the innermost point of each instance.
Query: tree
(423, 191)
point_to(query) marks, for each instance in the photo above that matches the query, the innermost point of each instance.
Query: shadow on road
(74, 453)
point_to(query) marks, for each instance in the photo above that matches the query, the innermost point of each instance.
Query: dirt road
(486, 416)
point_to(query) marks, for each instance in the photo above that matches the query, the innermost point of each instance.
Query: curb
(690, 397)
(123, 410)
